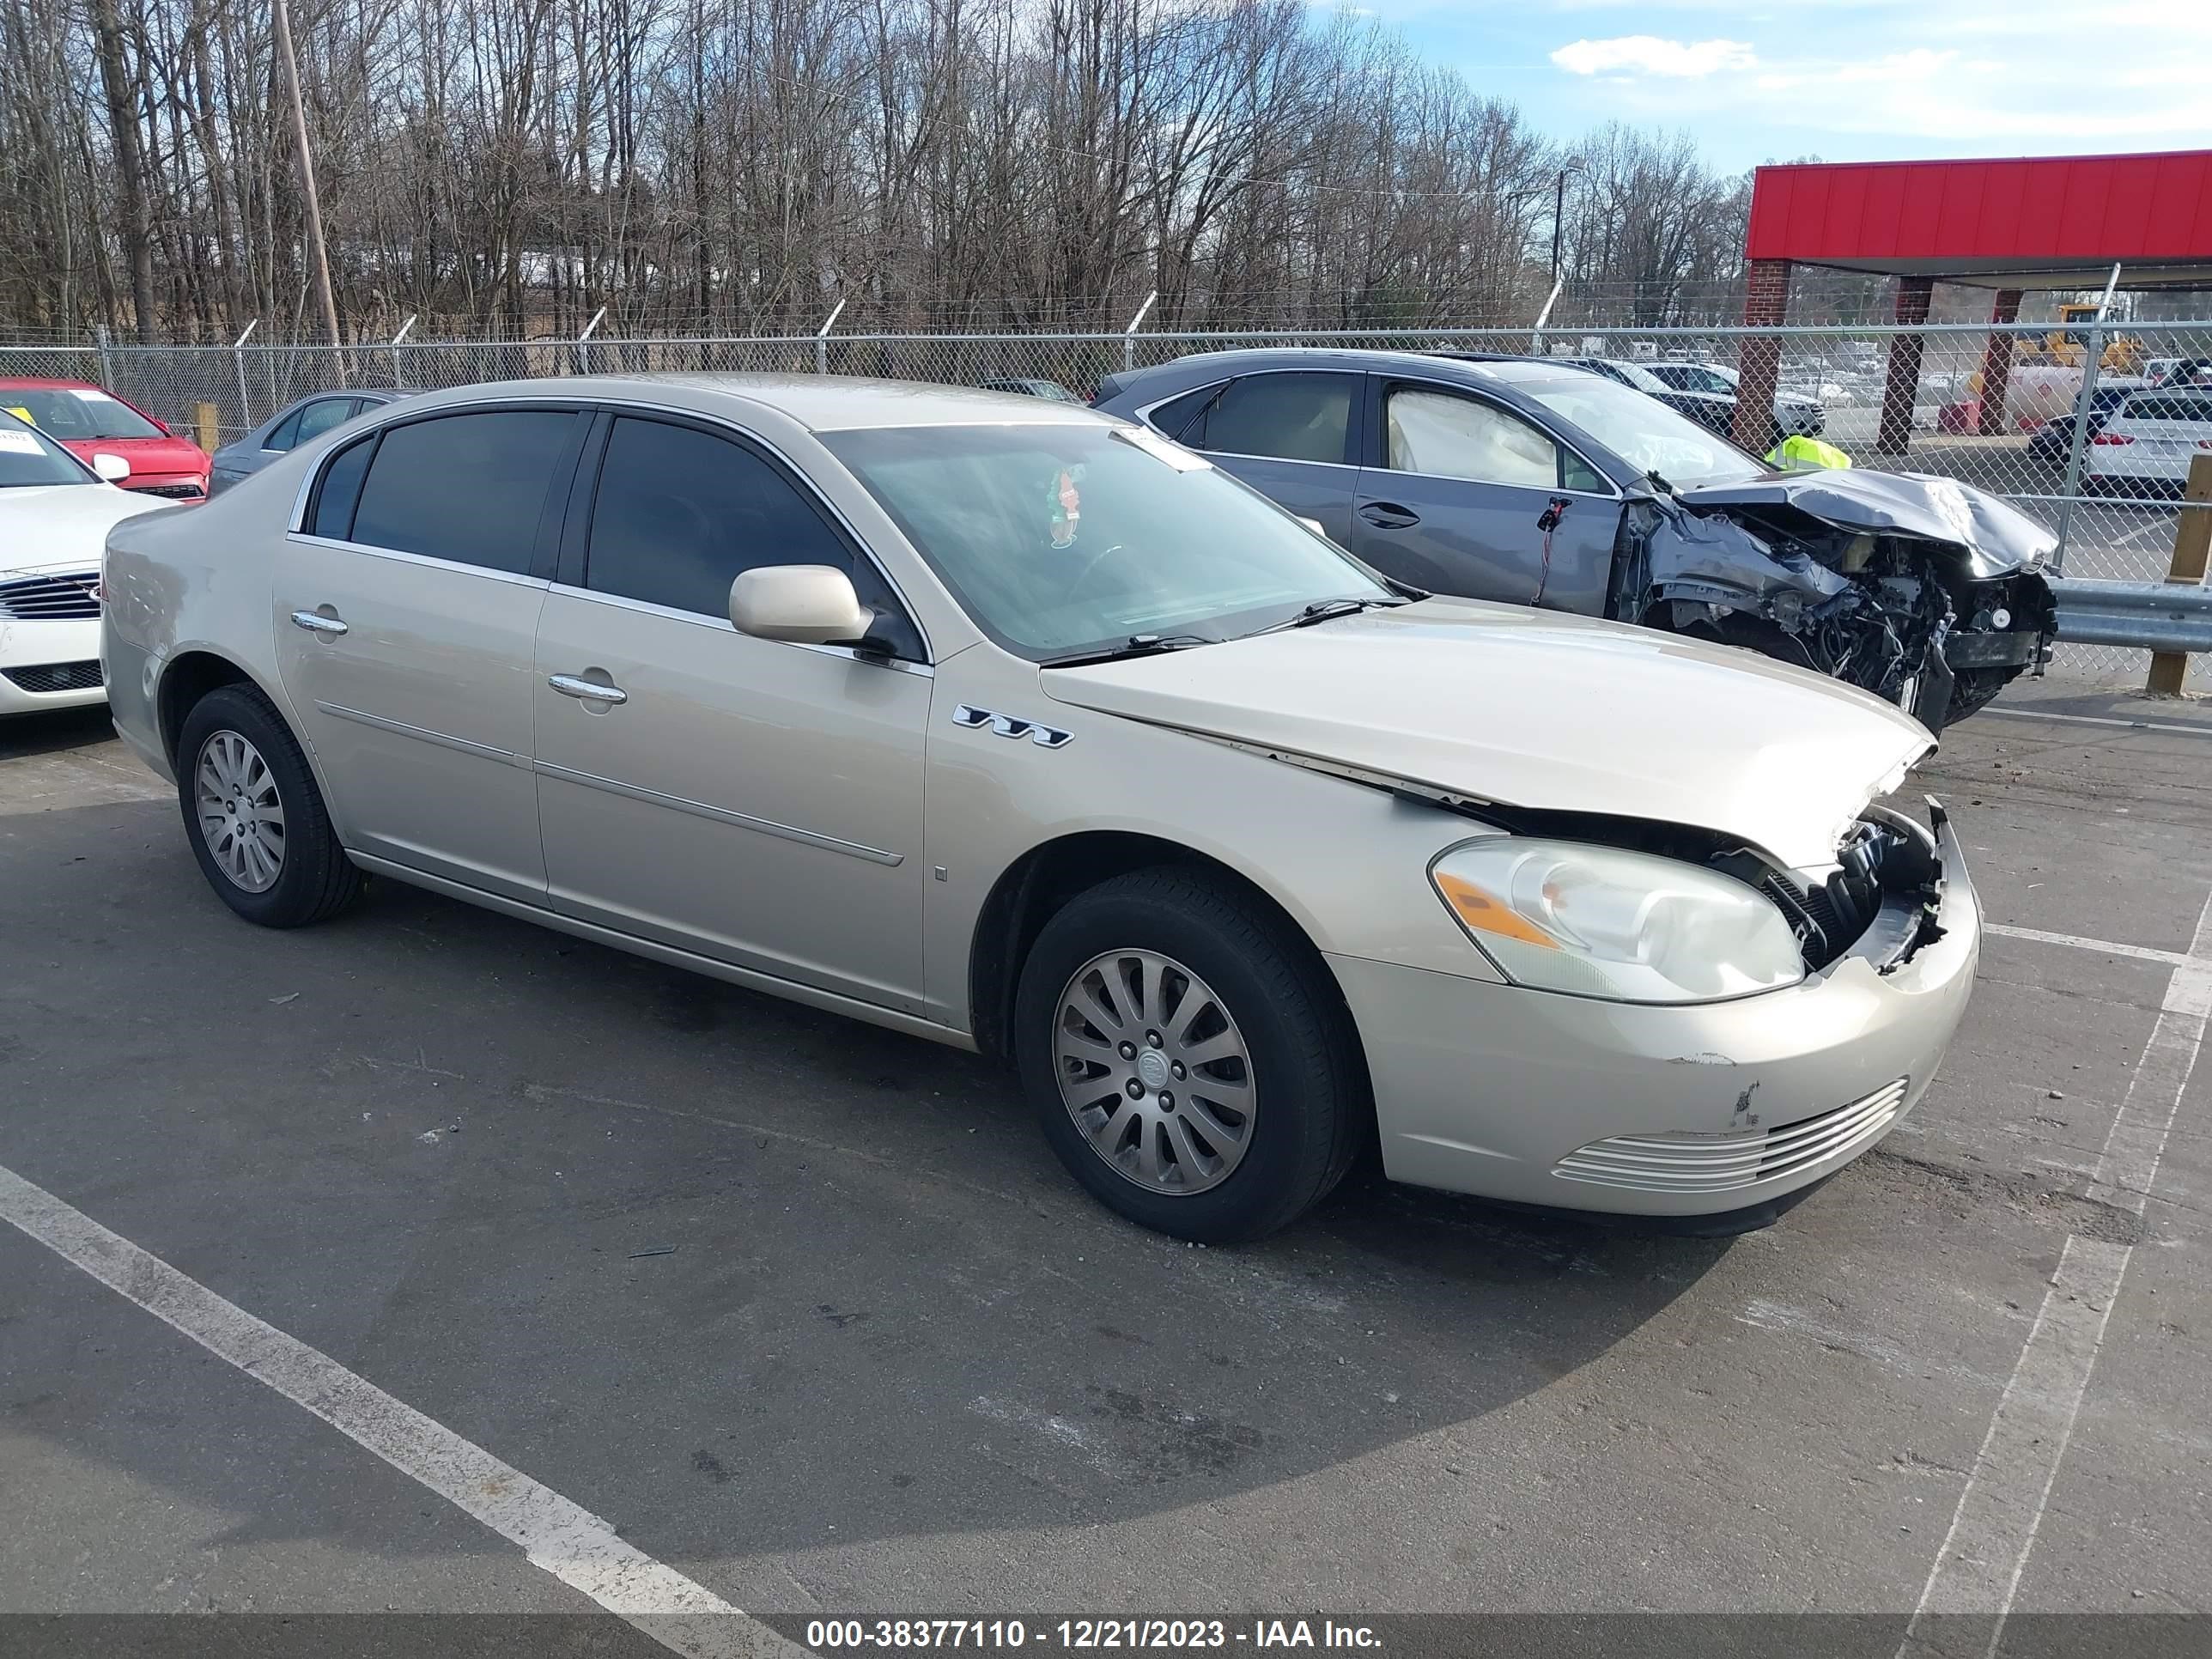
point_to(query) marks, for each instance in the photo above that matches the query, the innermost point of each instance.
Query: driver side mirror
(113, 468)
(804, 603)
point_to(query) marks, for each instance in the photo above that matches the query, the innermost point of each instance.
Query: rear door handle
(1389, 515)
(315, 623)
(575, 686)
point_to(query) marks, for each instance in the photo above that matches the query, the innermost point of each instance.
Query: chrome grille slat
(62, 598)
(1713, 1164)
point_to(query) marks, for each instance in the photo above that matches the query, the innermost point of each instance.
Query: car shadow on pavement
(743, 1277)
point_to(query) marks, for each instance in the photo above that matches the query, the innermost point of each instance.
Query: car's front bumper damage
(1724, 1111)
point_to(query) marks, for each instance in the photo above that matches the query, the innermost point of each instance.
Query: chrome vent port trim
(1687, 1163)
(60, 598)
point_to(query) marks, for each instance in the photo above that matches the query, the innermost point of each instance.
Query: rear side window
(468, 488)
(1290, 417)
(680, 513)
(340, 490)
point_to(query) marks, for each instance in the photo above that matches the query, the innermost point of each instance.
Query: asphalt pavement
(808, 1315)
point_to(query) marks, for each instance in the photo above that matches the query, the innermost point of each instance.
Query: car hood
(1996, 537)
(149, 456)
(61, 527)
(1538, 710)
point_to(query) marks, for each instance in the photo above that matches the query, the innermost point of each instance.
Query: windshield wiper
(1328, 609)
(1137, 645)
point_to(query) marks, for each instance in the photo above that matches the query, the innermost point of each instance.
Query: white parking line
(576, 1547)
(2101, 720)
(2108, 947)
(2001, 1508)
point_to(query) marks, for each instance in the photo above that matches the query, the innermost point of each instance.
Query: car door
(1459, 496)
(406, 622)
(752, 800)
(1288, 434)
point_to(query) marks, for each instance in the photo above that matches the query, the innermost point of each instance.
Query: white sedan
(55, 514)
(2146, 444)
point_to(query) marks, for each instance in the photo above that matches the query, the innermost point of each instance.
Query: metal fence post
(822, 337)
(1536, 338)
(2192, 550)
(396, 339)
(107, 359)
(1129, 334)
(583, 340)
(238, 358)
(2093, 357)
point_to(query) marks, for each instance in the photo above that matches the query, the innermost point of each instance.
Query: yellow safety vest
(1799, 453)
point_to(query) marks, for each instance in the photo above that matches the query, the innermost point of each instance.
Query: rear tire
(255, 819)
(1273, 1101)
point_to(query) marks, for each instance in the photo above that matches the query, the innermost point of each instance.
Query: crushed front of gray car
(1928, 592)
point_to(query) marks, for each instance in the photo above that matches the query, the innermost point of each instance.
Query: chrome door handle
(573, 685)
(314, 622)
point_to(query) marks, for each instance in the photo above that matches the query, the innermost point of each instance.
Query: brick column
(1996, 363)
(1894, 435)
(1759, 357)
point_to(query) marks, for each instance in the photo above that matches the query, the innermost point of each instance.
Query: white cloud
(1647, 54)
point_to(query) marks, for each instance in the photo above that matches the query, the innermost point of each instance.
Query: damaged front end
(1925, 593)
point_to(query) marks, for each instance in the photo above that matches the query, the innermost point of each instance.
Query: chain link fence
(2018, 410)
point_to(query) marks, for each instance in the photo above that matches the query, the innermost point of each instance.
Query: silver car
(1009, 725)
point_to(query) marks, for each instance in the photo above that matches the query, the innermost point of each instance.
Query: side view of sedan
(1004, 724)
(298, 422)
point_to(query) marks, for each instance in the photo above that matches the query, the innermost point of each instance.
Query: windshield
(1059, 538)
(1646, 434)
(76, 413)
(28, 459)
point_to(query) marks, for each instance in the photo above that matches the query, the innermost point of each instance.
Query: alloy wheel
(241, 815)
(1154, 1072)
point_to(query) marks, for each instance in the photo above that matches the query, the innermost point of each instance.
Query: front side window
(1290, 417)
(680, 514)
(74, 413)
(469, 488)
(1451, 437)
(1059, 538)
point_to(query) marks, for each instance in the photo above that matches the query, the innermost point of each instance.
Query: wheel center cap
(1152, 1069)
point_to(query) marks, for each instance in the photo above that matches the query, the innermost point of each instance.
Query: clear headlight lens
(1595, 921)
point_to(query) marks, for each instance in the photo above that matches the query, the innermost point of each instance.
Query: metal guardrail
(2171, 616)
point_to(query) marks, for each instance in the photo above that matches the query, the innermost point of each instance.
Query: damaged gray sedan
(1522, 481)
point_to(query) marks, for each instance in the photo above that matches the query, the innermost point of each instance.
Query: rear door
(406, 626)
(1459, 496)
(1292, 434)
(752, 800)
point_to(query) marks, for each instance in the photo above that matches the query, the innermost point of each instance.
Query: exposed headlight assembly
(1595, 921)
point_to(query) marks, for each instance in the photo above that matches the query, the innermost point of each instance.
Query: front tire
(256, 822)
(1186, 1058)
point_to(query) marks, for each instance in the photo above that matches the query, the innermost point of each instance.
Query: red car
(89, 422)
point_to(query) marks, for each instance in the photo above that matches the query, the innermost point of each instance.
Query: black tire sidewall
(1302, 1090)
(301, 891)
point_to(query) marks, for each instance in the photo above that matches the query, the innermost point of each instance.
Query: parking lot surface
(808, 1314)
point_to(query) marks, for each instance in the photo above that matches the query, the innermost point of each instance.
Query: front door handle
(1389, 515)
(315, 623)
(576, 685)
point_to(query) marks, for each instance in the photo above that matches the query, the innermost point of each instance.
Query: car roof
(36, 383)
(820, 403)
(1353, 359)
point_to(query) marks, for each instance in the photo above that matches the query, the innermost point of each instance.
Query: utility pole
(1559, 214)
(316, 251)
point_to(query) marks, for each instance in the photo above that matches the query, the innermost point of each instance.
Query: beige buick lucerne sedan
(1011, 725)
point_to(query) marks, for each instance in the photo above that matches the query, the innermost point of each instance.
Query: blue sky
(1845, 80)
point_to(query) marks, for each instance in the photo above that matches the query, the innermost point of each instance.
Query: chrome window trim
(1613, 492)
(722, 815)
(587, 400)
(723, 625)
(520, 579)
